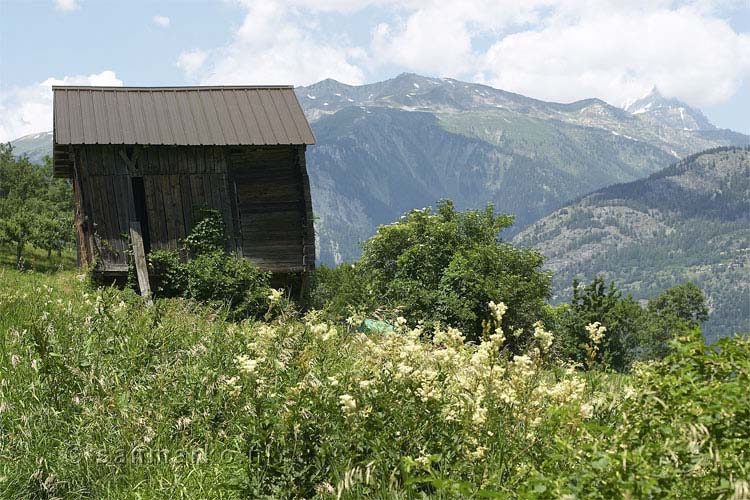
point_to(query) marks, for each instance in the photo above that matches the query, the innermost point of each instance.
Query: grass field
(103, 397)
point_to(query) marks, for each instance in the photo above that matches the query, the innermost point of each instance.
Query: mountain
(35, 146)
(386, 147)
(690, 221)
(403, 143)
(668, 112)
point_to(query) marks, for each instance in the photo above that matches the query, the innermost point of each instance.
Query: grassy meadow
(103, 397)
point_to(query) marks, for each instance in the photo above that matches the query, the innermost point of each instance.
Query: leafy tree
(671, 313)
(623, 318)
(685, 302)
(35, 208)
(446, 266)
(20, 186)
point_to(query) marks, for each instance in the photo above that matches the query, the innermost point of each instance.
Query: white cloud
(161, 21)
(27, 110)
(192, 61)
(276, 44)
(617, 56)
(559, 50)
(67, 5)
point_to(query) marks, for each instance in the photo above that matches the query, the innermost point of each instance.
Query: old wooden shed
(160, 155)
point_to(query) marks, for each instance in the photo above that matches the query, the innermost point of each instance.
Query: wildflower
(478, 453)
(498, 337)
(596, 333)
(275, 295)
(348, 404)
(542, 336)
(183, 423)
(333, 381)
(246, 365)
(233, 386)
(498, 311)
(479, 416)
(524, 365)
(587, 410)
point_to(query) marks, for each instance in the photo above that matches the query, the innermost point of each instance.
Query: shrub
(207, 274)
(622, 316)
(336, 290)
(445, 266)
(684, 433)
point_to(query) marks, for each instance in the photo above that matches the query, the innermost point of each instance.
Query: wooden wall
(262, 193)
(270, 186)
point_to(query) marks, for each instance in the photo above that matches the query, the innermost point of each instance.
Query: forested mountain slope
(690, 221)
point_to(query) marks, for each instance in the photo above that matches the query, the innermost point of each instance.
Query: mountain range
(403, 143)
(688, 222)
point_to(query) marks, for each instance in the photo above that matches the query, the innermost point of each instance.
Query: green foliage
(35, 208)
(685, 433)
(208, 235)
(684, 302)
(177, 403)
(633, 333)
(598, 302)
(210, 275)
(336, 290)
(446, 266)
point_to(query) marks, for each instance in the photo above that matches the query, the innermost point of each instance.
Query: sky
(559, 50)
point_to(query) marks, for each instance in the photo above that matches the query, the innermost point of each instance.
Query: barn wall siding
(261, 192)
(267, 183)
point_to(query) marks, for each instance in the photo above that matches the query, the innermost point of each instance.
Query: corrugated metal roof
(190, 116)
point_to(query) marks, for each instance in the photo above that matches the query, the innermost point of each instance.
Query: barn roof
(190, 116)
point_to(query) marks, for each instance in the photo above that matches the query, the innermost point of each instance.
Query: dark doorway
(141, 215)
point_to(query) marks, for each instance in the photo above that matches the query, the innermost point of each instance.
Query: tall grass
(103, 397)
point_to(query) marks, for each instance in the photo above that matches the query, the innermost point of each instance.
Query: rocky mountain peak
(670, 112)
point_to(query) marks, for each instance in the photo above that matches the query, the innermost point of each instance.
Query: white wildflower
(587, 410)
(596, 332)
(348, 403)
(245, 364)
(542, 336)
(275, 295)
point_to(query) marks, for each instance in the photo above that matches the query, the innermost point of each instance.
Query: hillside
(35, 146)
(406, 142)
(690, 221)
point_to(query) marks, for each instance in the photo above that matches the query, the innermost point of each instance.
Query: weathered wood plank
(187, 207)
(139, 256)
(196, 190)
(176, 205)
(171, 232)
(155, 210)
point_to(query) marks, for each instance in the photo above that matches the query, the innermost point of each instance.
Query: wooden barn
(158, 156)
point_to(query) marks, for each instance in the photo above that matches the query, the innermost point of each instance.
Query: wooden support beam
(140, 260)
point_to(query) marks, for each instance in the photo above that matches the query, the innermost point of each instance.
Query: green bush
(632, 332)
(442, 266)
(207, 274)
(683, 431)
(336, 290)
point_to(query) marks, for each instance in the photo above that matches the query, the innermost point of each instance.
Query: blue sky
(562, 50)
